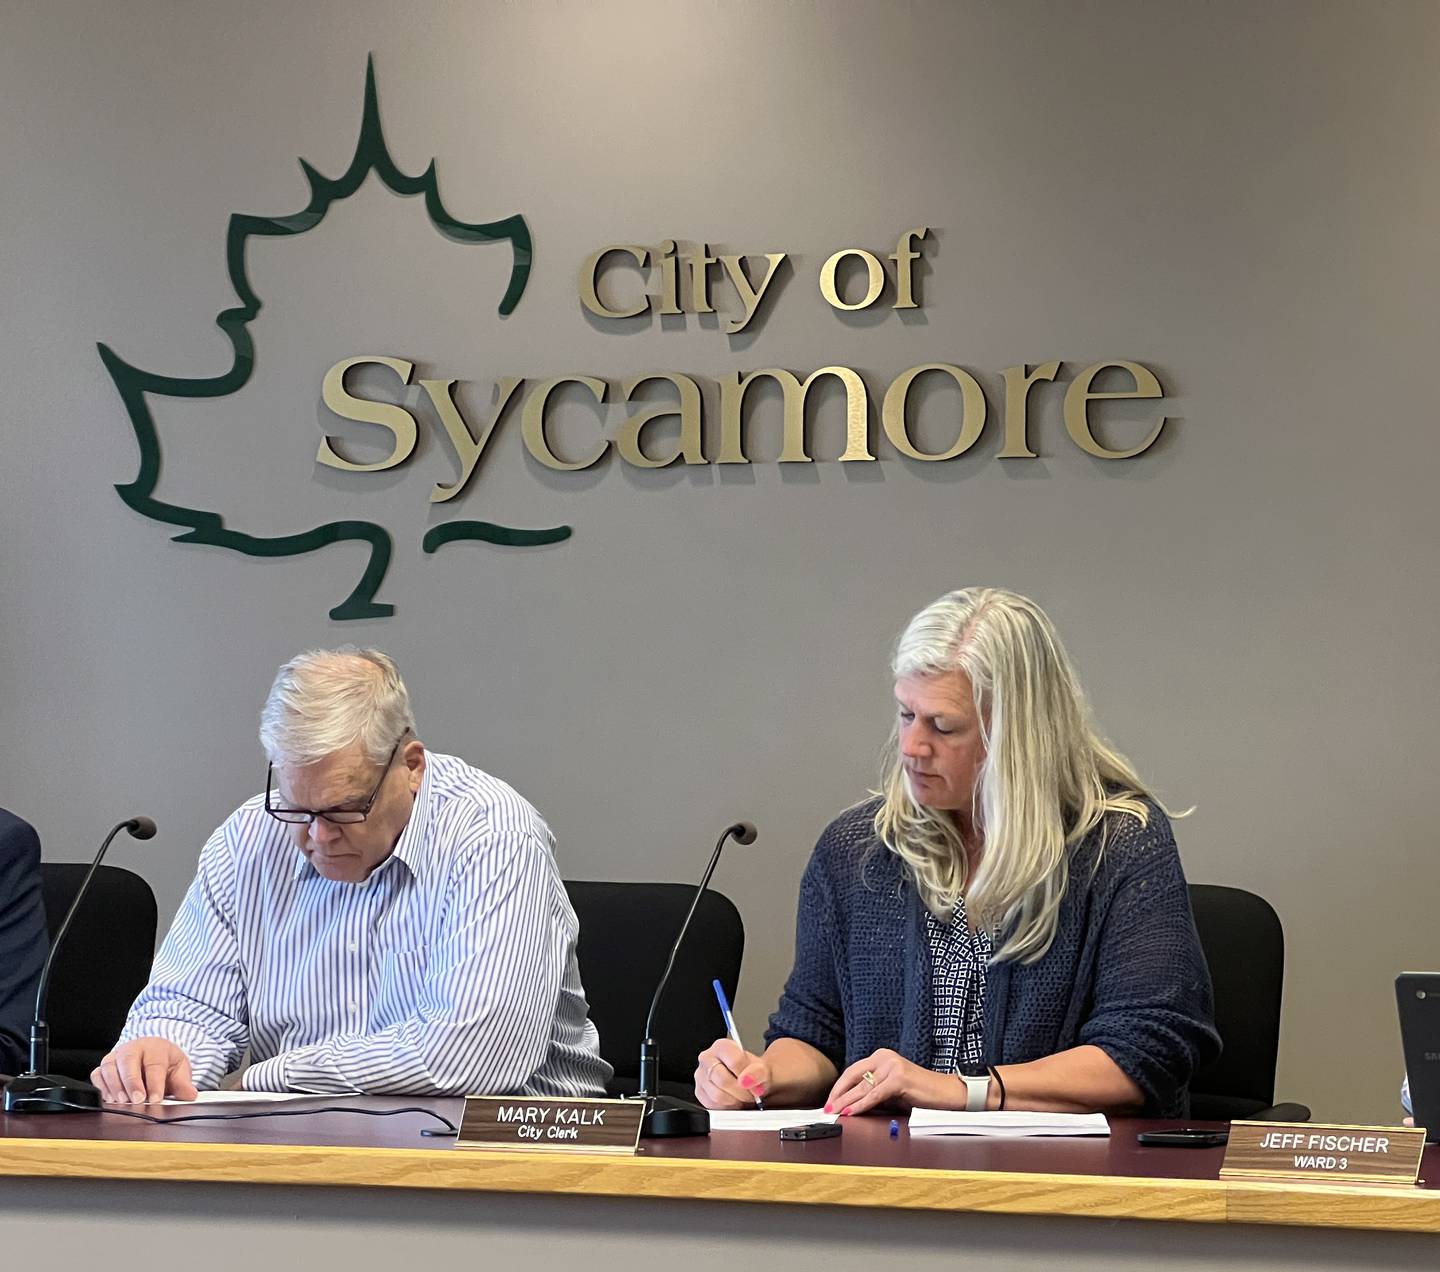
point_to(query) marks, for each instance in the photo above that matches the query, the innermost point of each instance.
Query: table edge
(705, 1179)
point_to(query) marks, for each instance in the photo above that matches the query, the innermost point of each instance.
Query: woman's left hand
(893, 1081)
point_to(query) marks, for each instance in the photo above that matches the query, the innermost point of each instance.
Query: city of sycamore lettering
(687, 283)
(512, 396)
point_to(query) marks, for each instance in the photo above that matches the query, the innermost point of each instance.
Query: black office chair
(1244, 945)
(626, 931)
(103, 964)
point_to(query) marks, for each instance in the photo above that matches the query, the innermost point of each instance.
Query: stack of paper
(1006, 1124)
(765, 1120)
(246, 1097)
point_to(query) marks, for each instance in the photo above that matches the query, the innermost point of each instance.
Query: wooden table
(374, 1192)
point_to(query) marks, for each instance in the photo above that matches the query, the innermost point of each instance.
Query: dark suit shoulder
(18, 841)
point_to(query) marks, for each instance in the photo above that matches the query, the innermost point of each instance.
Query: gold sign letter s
(396, 418)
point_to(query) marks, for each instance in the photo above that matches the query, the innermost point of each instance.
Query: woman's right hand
(729, 1077)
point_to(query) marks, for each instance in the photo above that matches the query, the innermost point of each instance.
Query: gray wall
(1243, 197)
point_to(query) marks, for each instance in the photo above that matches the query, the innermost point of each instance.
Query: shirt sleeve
(488, 999)
(196, 994)
(810, 1008)
(1153, 1011)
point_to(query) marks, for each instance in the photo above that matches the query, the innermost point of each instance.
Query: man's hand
(143, 1071)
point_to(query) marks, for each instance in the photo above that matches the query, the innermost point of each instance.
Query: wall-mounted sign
(616, 284)
(513, 395)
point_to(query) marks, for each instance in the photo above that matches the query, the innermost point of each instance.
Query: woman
(1007, 925)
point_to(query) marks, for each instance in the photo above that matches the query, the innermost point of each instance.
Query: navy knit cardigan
(1125, 972)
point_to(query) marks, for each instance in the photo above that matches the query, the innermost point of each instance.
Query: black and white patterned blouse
(957, 958)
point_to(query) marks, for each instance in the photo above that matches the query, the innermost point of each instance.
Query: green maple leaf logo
(136, 385)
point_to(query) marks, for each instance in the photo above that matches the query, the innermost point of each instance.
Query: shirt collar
(414, 840)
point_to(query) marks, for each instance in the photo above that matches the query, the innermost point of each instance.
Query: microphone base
(49, 1093)
(668, 1118)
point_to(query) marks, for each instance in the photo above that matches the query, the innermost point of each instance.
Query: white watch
(977, 1091)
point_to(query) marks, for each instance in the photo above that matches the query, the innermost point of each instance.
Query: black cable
(1000, 1082)
(450, 1127)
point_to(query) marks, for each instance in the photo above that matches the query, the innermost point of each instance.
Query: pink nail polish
(828, 1109)
(845, 1112)
(747, 1082)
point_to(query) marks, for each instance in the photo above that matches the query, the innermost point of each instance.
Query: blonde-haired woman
(1007, 925)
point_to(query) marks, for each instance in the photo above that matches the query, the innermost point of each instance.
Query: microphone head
(743, 833)
(141, 828)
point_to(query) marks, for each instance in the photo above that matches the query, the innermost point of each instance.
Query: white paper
(244, 1097)
(1008, 1124)
(765, 1119)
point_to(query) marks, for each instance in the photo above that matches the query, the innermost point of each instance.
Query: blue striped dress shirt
(450, 970)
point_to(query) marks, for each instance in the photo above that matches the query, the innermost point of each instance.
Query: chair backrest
(1244, 945)
(626, 931)
(106, 958)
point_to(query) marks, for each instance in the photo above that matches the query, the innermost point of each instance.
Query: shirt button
(354, 945)
(354, 1006)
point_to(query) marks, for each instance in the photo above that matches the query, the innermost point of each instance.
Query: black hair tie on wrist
(1000, 1082)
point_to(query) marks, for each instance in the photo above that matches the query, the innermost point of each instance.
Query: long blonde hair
(1048, 778)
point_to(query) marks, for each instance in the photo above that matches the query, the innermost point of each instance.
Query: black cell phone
(1417, 995)
(811, 1131)
(1183, 1137)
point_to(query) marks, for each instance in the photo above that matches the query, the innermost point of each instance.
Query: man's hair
(326, 699)
(1047, 780)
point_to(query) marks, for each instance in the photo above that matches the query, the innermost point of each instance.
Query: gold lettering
(590, 287)
(904, 257)
(857, 414)
(468, 449)
(972, 419)
(532, 422)
(700, 263)
(1018, 383)
(1078, 397)
(396, 418)
(669, 280)
(750, 297)
(689, 409)
(831, 291)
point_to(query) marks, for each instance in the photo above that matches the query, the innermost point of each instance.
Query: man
(23, 940)
(381, 920)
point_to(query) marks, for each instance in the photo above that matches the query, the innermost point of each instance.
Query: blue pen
(730, 1025)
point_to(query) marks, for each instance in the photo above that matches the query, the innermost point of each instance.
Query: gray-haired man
(383, 920)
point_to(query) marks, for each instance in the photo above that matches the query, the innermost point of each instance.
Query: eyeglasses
(335, 816)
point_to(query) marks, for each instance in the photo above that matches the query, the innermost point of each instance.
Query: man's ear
(413, 755)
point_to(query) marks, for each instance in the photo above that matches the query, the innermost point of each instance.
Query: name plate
(546, 1125)
(1317, 1152)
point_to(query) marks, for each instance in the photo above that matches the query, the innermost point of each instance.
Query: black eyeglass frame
(335, 816)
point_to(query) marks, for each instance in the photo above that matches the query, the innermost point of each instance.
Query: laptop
(1417, 995)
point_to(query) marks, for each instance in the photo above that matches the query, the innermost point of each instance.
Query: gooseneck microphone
(665, 1116)
(35, 1090)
